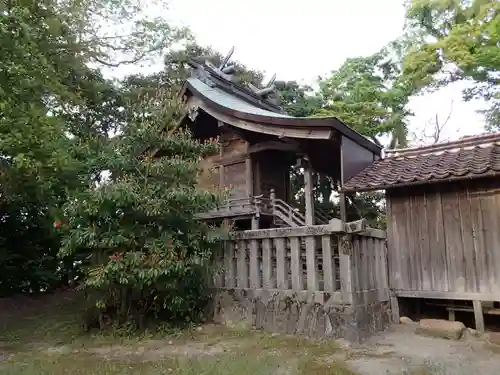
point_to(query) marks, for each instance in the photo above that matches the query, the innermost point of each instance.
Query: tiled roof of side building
(469, 157)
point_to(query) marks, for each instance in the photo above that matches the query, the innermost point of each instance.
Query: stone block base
(289, 313)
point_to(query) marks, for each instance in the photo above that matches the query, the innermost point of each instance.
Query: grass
(42, 337)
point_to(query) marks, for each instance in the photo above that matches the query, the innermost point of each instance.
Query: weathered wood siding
(227, 168)
(233, 146)
(235, 177)
(370, 266)
(210, 174)
(445, 238)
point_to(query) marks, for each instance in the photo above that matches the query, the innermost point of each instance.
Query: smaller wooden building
(443, 222)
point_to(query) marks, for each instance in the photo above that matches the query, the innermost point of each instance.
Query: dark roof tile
(471, 157)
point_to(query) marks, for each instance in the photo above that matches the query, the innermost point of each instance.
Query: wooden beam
(222, 180)
(315, 230)
(343, 207)
(273, 145)
(462, 296)
(394, 308)
(308, 194)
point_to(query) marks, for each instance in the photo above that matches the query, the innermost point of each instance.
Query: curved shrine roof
(240, 103)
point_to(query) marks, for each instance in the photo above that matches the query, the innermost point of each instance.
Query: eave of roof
(229, 104)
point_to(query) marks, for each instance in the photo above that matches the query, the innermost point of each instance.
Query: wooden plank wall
(445, 238)
(235, 178)
(228, 167)
(291, 259)
(370, 264)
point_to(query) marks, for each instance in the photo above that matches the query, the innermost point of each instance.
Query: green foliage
(56, 114)
(370, 94)
(37, 166)
(298, 100)
(149, 253)
(461, 43)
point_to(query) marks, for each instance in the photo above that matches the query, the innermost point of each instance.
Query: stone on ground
(494, 338)
(441, 328)
(406, 320)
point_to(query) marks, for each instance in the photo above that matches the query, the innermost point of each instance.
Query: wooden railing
(321, 216)
(287, 213)
(283, 212)
(322, 259)
(292, 214)
(240, 206)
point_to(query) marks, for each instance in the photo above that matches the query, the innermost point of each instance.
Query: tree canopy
(370, 94)
(459, 42)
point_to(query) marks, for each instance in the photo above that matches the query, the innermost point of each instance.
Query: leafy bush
(147, 255)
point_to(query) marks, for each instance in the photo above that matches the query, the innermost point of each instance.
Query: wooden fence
(312, 261)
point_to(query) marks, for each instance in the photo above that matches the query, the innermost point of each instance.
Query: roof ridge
(468, 141)
(202, 70)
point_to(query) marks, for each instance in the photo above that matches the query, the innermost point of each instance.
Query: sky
(301, 40)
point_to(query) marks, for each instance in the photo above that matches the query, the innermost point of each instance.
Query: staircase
(286, 215)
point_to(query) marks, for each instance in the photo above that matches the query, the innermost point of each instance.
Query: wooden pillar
(347, 281)
(478, 316)
(221, 164)
(308, 194)
(343, 207)
(255, 222)
(221, 176)
(249, 176)
(394, 308)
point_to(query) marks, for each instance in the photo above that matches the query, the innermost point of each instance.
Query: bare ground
(43, 337)
(400, 351)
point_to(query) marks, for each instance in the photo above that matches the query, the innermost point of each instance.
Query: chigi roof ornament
(227, 71)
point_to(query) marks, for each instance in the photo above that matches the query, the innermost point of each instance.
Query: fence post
(347, 289)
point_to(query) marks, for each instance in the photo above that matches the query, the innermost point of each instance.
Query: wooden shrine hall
(259, 146)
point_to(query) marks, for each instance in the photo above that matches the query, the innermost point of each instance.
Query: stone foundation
(289, 313)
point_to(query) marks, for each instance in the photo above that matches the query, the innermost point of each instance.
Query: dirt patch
(400, 351)
(159, 349)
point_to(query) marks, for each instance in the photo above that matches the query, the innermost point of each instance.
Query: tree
(371, 94)
(149, 251)
(433, 130)
(56, 114)
(460, 43)
(37, 167)
(113, 33)
(298, 100)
